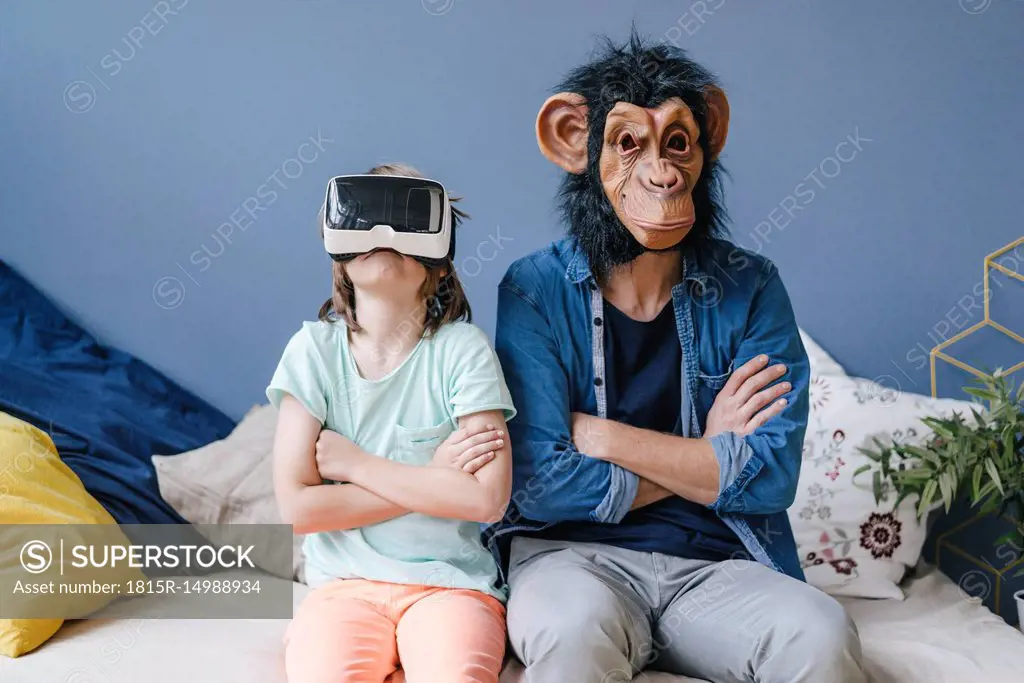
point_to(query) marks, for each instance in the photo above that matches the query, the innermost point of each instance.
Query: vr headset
(413, 216)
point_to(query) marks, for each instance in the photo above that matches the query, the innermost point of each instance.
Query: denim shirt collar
(578, 270)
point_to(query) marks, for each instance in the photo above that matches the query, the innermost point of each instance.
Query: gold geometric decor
(941, 352)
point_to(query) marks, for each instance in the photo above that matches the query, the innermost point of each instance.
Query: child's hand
(335, 455)
(469, 451)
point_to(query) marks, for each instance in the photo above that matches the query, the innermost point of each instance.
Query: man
(662, 394)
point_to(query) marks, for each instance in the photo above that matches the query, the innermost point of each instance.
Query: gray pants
(594, 613)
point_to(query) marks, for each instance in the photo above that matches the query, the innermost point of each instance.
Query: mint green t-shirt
(403, 416)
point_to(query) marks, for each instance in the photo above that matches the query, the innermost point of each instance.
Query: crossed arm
(469, 478)
(575, 467)
(674, 465)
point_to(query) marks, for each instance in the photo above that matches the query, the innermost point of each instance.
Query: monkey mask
(639, 132)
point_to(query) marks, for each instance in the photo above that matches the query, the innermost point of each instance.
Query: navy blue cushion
(106, 411)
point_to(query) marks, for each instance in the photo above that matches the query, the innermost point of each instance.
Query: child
(368, 462)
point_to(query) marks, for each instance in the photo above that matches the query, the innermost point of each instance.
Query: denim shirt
(730, 307)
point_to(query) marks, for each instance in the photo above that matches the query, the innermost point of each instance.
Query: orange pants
(356, 631)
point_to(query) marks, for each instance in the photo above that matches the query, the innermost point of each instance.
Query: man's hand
(336, 455)
(469, 451)
(740, 406)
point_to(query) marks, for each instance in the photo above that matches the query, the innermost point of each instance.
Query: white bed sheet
(934, 636)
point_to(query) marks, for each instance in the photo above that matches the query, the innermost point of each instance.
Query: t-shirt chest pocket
(417, 446)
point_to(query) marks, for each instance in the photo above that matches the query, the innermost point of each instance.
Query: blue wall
(127, 139)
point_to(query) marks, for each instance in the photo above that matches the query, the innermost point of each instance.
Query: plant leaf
(861, 470)
(1008, 538)
(868, 453)
(926, 498)
(982, 393)
(980, 453)
(994, 474)
(926, 454)
(946, 488)
(986, 490)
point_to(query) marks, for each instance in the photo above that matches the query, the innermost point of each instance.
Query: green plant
(982, 455)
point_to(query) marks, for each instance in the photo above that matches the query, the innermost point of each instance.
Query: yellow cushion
(36, 487)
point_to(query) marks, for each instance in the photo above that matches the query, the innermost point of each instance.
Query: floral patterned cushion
(821, 362)
(848, 545)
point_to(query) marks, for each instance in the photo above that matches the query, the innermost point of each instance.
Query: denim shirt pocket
(416, 446)
(708, 386)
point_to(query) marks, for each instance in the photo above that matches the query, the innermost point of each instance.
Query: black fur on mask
(644, 75)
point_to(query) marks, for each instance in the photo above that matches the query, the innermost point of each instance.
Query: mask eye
(627, 143)
(678, 143)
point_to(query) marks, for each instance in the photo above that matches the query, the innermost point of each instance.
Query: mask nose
(664, 177)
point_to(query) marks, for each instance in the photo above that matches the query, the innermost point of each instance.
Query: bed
(934, 636)
(108, 413)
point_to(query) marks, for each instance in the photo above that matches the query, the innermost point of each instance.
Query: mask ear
(717, 119)
(562, 131)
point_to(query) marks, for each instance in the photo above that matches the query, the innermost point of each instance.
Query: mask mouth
(687, 216)
(656, 226)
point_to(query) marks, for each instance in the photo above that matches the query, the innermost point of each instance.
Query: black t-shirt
(643, 380)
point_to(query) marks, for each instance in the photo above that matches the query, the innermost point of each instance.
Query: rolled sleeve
(737, 464)
(758, 472)
(619, 499)
(552, 480)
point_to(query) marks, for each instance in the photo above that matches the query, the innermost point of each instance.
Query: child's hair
(444, 299)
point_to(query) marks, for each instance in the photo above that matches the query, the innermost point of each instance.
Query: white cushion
(821, 362)
(230, 482)
(848, 544)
